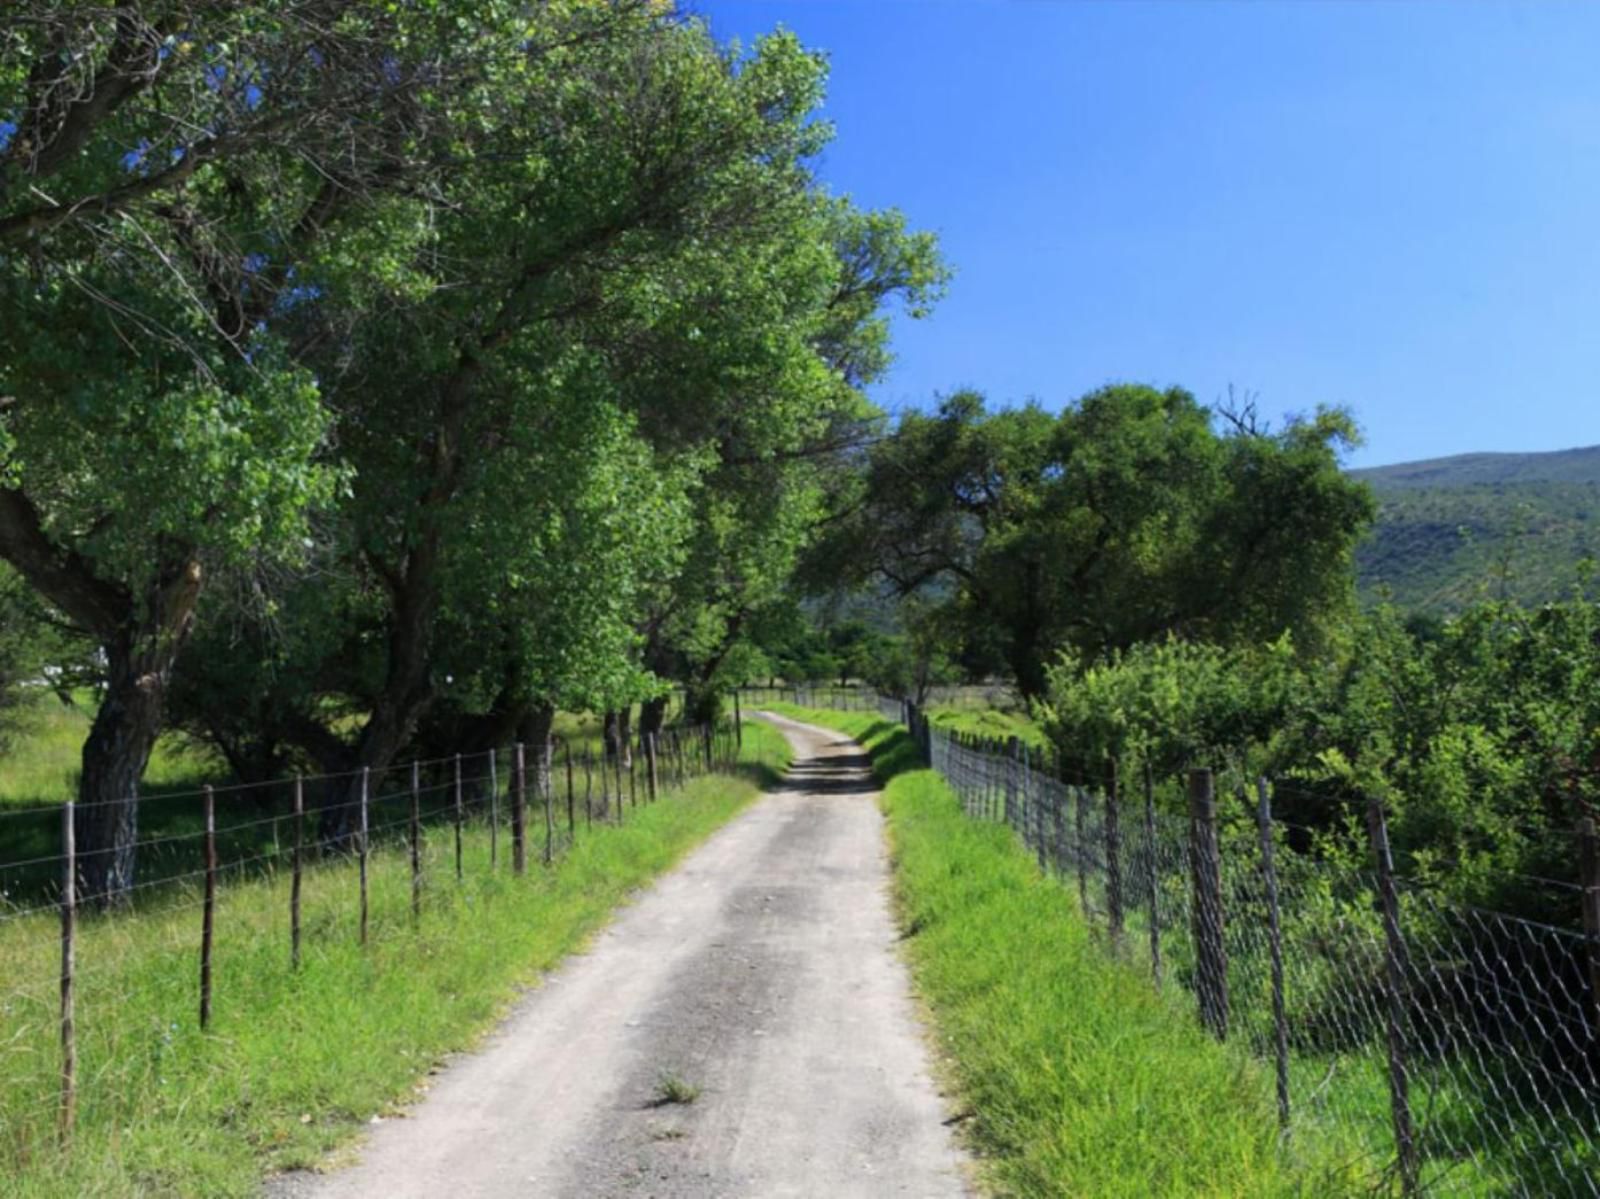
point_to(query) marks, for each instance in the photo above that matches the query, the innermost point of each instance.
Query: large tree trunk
(652, 716)
(124, 732)
(533, 730)
(141, 639)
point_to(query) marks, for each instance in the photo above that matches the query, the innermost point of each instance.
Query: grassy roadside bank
(295, 1064)
(1079, 1078)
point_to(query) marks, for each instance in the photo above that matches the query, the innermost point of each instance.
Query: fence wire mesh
(1444, 1050)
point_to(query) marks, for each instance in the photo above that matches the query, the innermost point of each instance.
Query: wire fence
(1436, 1047)
(361, 856)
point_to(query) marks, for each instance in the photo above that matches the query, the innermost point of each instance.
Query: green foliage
(1124, 518)
(1482, 739)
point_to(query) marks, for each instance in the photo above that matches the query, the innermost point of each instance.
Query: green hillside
(1452, 529)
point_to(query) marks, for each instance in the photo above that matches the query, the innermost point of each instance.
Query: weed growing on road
(672, 1088)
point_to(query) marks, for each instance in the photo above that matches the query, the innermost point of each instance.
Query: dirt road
(762, 976)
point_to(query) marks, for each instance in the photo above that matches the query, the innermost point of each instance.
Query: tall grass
(294, 1064)
(1076, 1077)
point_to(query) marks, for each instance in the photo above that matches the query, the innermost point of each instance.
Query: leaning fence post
(298, 869)
(69, 928)
(519, 810)
(1589, 879)
(209, 909)
(1152, 868)
(361, 848)
(1269, 880)
(416, 842)
(1205, 870)
(1113, 846)
(1395, 966)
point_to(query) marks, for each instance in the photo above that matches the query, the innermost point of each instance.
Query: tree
(1125, 518)
(177, 184)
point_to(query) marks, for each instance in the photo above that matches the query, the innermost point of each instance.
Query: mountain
(1450, 530)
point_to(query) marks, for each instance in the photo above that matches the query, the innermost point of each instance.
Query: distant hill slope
(1452, 529)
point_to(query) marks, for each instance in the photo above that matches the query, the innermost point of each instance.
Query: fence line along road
(1448, 1049)
(220, 835)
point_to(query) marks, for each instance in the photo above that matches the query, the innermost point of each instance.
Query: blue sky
(1390, 206)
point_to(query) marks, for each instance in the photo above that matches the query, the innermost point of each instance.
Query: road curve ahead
(760, 980)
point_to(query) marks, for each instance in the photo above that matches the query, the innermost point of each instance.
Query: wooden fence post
(1396, 969)
(416, 842)
(1152, 873)
(69, 926)
(458, 807)
(652, 777)
(1080, 828)
(298, 870)
(1269, 881)
(1205, 871)
(1589, 879)
(738, 722)
(361, 847)
(1113, 846)
(618, 760)
(633, 780)
(208, 910)
(547, 775)
(519, 810)
(572, 795)
(588, 788)
(494, 810)
(1011, 782)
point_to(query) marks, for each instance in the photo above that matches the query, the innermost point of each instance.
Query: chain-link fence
(1441, 1048)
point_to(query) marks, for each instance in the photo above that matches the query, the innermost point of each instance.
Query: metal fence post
(1395, 966)
(416, 842)
(1205, 869)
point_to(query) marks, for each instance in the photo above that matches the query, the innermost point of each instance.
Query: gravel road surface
(761, 975)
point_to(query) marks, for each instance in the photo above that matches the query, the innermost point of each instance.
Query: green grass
(990, 722)
(40, 765)
(1078, 1077)
(294, 1064)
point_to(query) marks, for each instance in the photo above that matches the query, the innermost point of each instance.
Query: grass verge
(294, 1064)
(1078, 1078)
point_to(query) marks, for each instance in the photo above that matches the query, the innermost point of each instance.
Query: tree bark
(141, 639)
(124, 731)
(652, 716)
